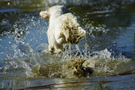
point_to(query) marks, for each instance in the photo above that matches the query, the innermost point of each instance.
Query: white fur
(63, 28)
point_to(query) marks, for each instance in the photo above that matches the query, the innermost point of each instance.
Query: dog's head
(44, 14)
(54, 11)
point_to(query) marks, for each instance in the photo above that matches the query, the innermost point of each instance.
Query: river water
(107, 49)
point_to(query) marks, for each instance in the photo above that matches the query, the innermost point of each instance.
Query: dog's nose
(41, 13)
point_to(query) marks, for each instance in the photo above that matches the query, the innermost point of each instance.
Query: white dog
(63, 28)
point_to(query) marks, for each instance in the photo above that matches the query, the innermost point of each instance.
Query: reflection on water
(107, 50)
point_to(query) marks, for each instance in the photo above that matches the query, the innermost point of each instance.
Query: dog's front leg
(54, 46)
(60, 39)
(51, 41)
(59, 36)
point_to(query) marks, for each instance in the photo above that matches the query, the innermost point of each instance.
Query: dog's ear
(44, 14)
(76, 35)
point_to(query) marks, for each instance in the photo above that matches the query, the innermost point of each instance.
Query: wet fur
(63, 28)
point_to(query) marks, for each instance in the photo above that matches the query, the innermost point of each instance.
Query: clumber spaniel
(63, 28)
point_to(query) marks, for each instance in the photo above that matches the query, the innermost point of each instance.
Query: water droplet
(8, 3)
(9, 42)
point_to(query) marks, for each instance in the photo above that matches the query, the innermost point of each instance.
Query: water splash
(26, 50)
(18, 50)
(101, 63)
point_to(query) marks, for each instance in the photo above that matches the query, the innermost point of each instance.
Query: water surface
(108, 47)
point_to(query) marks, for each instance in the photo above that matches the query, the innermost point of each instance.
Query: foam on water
(102, 63)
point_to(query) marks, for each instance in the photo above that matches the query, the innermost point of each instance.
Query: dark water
(108, 46)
